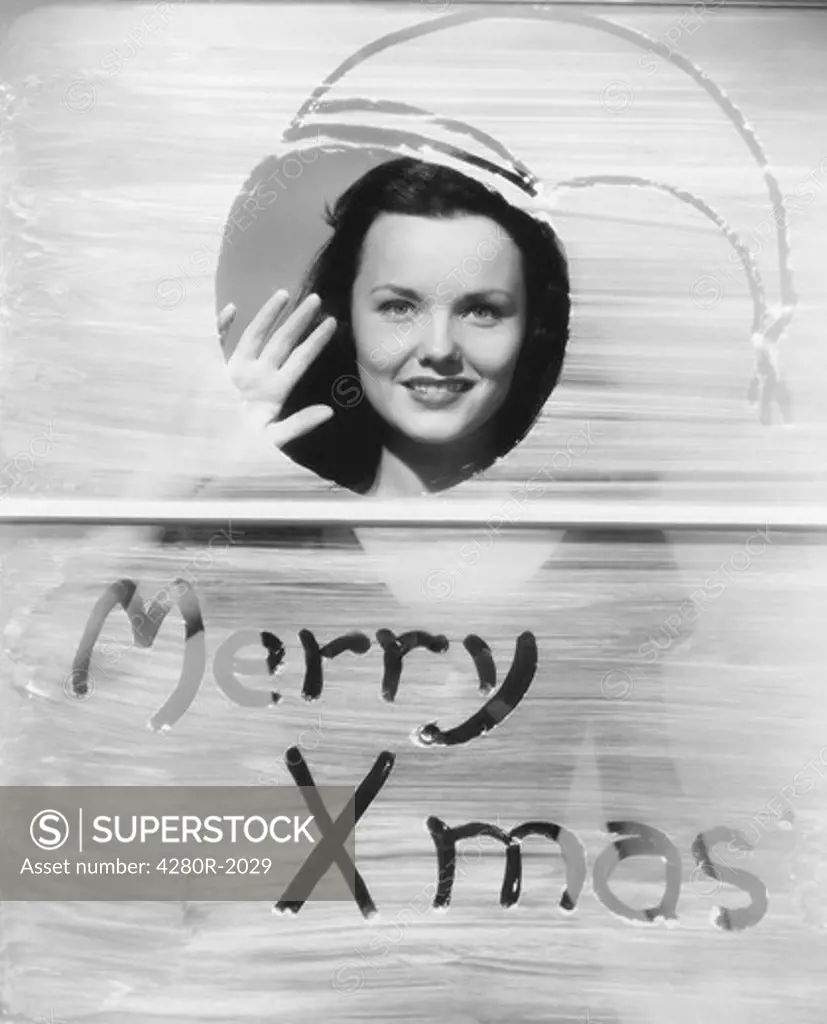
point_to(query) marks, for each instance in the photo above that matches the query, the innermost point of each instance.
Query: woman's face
(438, 313)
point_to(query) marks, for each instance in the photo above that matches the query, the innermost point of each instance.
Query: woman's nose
(438, 345)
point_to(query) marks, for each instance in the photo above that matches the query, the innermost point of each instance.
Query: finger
(304, 354)
(226, 317)
(291, 332)
(225, 321)
(258, 330)
(282, 432)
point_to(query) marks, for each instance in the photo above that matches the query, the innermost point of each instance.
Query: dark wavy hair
(347, 447)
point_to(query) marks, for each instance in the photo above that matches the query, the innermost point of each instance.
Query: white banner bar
(434, 512)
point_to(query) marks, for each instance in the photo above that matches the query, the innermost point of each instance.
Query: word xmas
(227, 666)
(636, 840)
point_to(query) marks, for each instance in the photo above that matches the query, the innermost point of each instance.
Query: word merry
(146, 623)
(636, 840)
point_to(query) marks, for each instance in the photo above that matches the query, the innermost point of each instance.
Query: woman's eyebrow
(408, 293)
(488, 293)
(412, 293)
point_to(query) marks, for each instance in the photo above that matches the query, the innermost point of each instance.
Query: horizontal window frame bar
(508, 513)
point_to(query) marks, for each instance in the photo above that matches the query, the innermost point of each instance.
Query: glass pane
(135, 129)
(678, 684)
(651, 688)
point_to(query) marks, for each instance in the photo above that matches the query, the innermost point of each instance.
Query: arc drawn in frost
(421, 133)
(769, 324)
(753, 275)
(522, 175)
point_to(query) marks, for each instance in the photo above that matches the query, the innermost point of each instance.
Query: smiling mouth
(421, 386)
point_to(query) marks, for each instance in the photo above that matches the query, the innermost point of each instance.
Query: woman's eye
(483, 312)
(396, 307)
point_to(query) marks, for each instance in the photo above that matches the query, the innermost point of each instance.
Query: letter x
(334, 834)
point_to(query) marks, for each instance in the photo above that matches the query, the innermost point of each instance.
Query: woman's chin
(447, 432)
